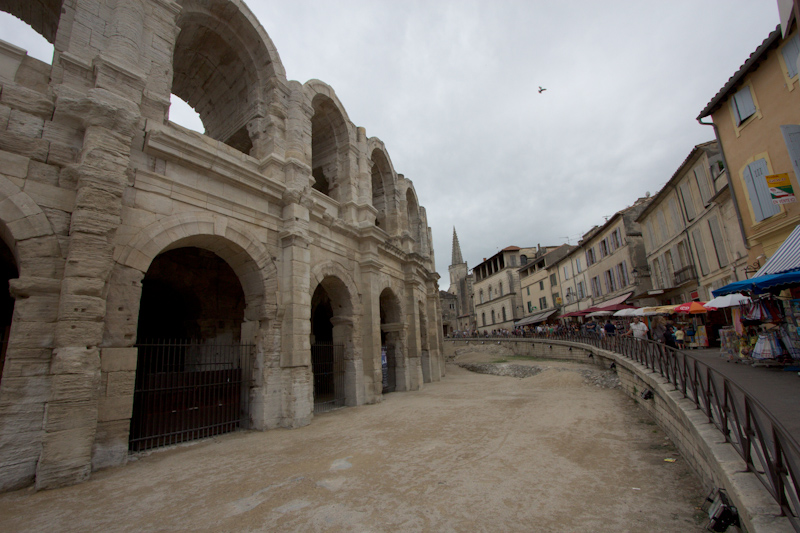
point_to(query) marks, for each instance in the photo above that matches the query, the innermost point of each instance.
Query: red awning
(614, 304)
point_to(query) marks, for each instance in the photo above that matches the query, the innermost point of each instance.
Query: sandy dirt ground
(473, 452)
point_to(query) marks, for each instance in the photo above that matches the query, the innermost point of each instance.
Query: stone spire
(457, 259)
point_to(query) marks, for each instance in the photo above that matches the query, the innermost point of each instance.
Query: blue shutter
(751, 191)
(790, 52)
(743, 103)
(759, 171)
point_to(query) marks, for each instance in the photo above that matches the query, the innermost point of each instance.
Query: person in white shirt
(638, 329)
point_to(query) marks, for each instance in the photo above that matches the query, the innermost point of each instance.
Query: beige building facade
(756, 117)
(540, 283)
(283, 230)
(498, 302)
(691, 233)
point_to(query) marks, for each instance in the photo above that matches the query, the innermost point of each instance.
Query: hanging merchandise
(790, 341)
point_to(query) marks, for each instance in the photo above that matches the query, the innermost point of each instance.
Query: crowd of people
(672, 335)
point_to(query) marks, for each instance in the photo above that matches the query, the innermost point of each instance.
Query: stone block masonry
(284, 227)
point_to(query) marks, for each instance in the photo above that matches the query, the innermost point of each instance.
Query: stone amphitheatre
(166, 285)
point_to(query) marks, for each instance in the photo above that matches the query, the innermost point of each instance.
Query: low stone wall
(699, 442)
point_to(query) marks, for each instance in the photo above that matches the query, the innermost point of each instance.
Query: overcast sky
(451, 88)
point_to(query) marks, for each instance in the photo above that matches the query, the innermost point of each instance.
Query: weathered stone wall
(96, 183)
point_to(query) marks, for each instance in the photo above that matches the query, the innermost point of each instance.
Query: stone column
(413, 342)
(371, 329)
(72, 410)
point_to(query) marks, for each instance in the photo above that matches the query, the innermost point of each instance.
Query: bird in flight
(541, 89)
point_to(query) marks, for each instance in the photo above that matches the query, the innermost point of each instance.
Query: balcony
(685, 274)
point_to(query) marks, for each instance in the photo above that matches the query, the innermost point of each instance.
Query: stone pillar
(72, 409)
(25, 385)
(296, 305)
(413, 342)
(343, 333)
(371, 330)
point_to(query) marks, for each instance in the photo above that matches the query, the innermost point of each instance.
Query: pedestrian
(638, 329)
(679, 338)
(611, 329)
(669, 338)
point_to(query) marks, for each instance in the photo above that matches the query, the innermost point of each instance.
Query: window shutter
(751, 191)
(663, 223)
(719, 243)
(790, 52)
(702, 184)
(625, 273)
(743, 104)
(791, 136)
(688, 202)
(701, 251)
(677, 264)
(677, 220)
(662, 260)
(759, 171)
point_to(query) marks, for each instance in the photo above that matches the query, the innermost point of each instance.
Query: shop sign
(781, 189)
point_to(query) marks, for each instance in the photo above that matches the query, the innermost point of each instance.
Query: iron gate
(327, 364)
(186, 390)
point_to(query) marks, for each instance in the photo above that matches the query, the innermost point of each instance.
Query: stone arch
(393, 340)
(222, 63)
(414, 220)
(21, 219)
(335, 295)
(228, 238)
(384, 186)
(41, 15)
(332, 138)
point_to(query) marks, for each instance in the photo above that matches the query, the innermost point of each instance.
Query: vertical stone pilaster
(371, 331)
(72, 413)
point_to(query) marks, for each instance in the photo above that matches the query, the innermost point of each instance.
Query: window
(530, 306)
(790, 52)
(662, 222)
(611, 284)
(702, 184)
(650, 234)
(677, 220)
(719, 243)
(578, 265)
(512, 260)
(501, 289)
(541, 285)
(483, 318)
(581, 290)
(590, 258)
(553, 280)
(701, 251)
(603, 248)
(596, 291)
(754, 176)
(555, 298)
(616, 239)
(658, 283)
(529, 290)
(742, 105)
(688, 202)
(523, 260)
(624, 269)
(566, 273)
(504, 314)
(493, 316)
(543, 302)
(481, 296)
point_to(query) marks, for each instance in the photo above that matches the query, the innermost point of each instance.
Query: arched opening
(328, 137)
(8, 271)
(192, 373)
(31, 31)
(381, 178)
(391, 339)
(413, 220)
(331, 343)
(221, 63)
(41, 15)
(425, 356)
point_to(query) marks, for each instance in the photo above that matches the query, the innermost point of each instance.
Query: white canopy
(729, 300)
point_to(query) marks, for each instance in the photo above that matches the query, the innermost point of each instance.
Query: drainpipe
(730, 186)
(730, 183)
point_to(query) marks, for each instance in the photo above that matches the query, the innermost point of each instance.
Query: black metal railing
(187, 389)
(327, 363)
(767, 448)
(685, 274)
